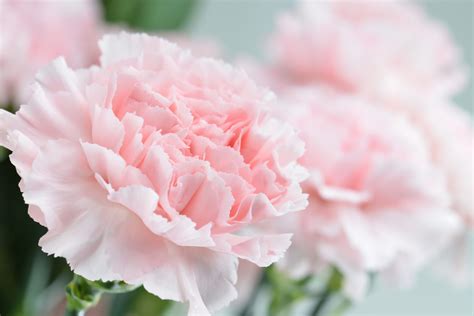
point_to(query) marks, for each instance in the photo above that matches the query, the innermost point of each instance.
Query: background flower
(32, 33)
(449, 133)
(373, 48)
(373, 51)
(377, 204)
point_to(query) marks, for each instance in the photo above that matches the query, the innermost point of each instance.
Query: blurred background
(240, 27)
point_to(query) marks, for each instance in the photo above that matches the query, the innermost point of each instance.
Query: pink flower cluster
(163, 169)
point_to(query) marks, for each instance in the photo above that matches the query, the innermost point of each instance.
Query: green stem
(285, 290)
(333, 285)
(322, 302)
(74, 313)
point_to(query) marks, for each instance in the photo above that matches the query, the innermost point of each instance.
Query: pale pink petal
(263, 251)
(107, 130)
(195, 276)
(111, 167)
(211, 202)
(143, 202)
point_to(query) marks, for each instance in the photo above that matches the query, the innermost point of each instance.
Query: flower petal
(195, 275)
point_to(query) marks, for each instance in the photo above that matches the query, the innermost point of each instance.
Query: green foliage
(285, 291)
(147, 304)
(3, 153)
(19, 237)
(83, 294)
(331, 301)
(140, 302)
(336, 280)
(114, 287)
(149, 15)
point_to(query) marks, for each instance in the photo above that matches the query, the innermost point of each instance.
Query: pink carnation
(154, 169)
(377, 204)
(32, 33)
(450, 135)
(377, 48)
(448, 130)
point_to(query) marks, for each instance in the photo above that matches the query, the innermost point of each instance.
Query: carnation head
(377, 203)
(154, 168)
(371, 47)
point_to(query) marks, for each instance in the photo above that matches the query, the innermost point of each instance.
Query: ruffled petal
(195, 276)
(180, 230)
(45, 117)
(261, 250)
(107, 130)
(111, 167)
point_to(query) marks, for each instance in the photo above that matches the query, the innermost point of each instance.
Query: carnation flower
(383, 52)
(377, 204)
(449, 133)
(448, 130)
(377, 48)
(155, 168)
(32, 33)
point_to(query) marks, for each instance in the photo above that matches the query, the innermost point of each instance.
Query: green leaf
(113, 286)
(3, 153)
(285, 291)
(148, 304)
(17, 248)
(149, 15)
(83, 294)
(336, 280)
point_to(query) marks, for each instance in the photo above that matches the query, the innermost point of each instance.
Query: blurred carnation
(450, 135)
(377, 48)
(32, 33)
(153, 169)
(383, 53)
(377, 204)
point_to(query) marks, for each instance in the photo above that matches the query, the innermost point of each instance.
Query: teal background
(242, 26)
